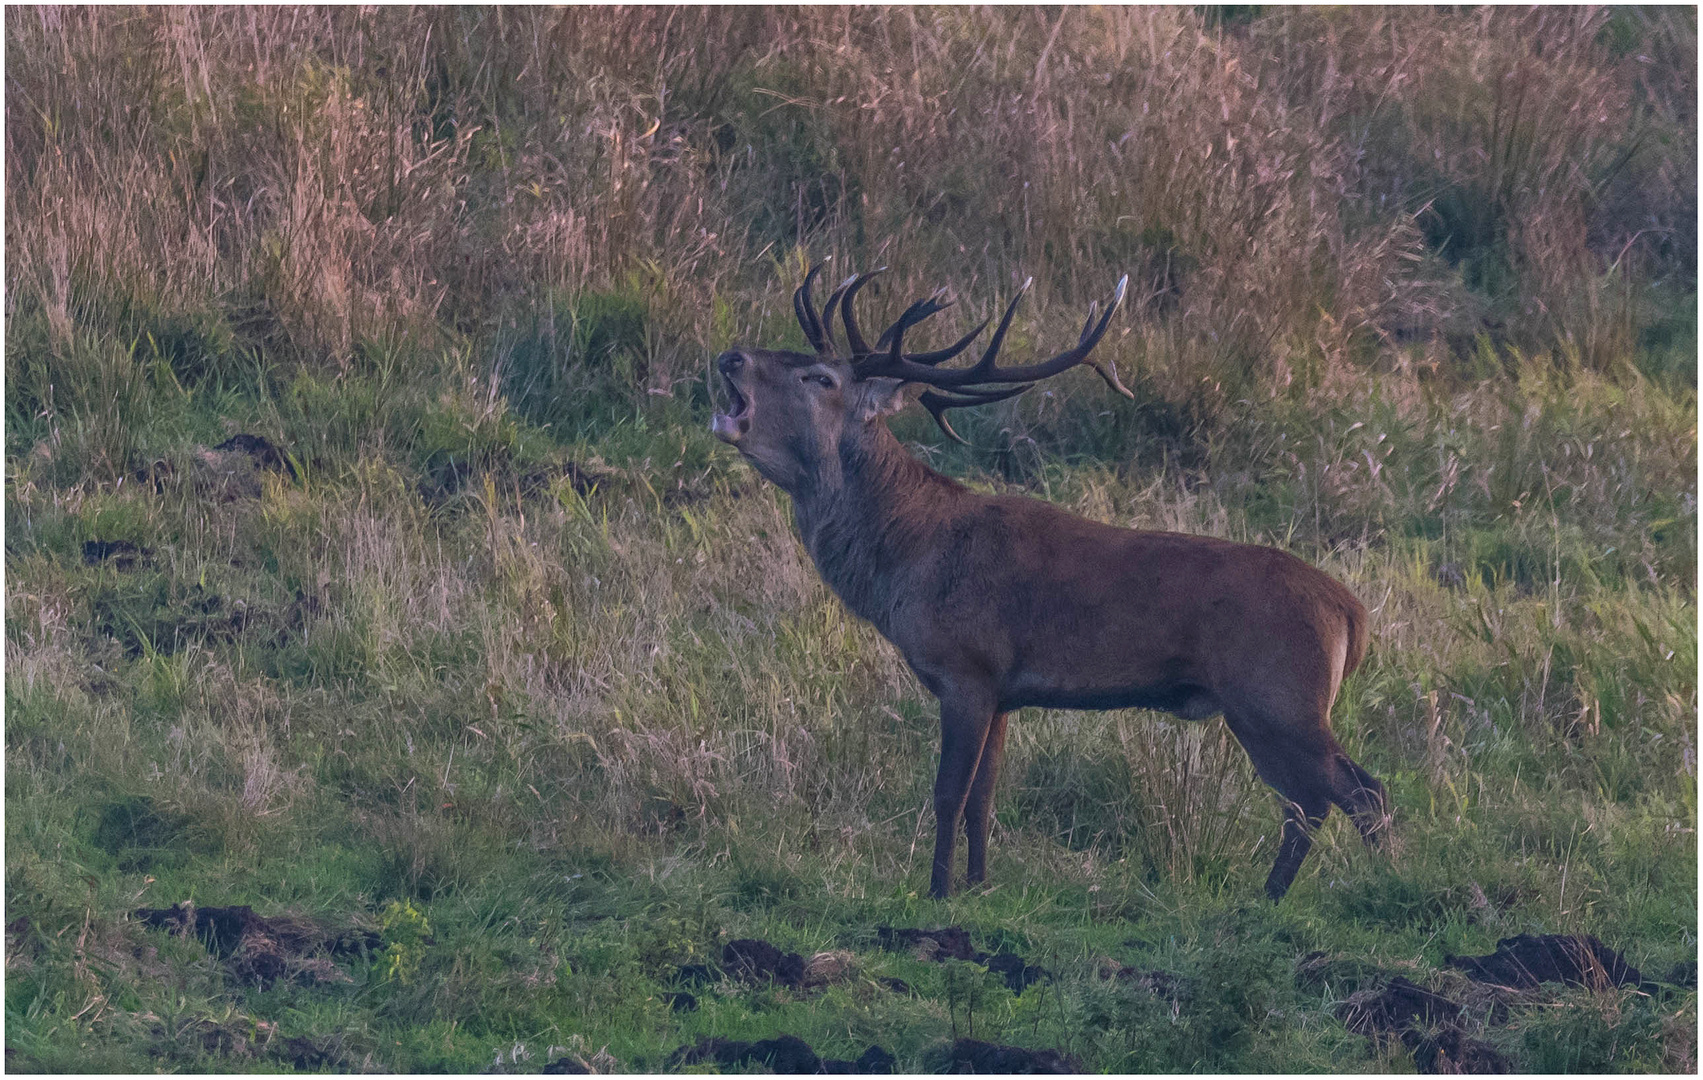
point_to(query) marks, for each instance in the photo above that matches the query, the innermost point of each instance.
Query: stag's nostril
(731, 362)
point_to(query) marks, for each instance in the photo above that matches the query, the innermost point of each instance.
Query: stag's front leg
(978, 809)
(964, 721)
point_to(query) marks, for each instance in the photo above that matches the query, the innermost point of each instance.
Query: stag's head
(793, 414)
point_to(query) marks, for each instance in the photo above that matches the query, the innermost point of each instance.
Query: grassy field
(502, 693)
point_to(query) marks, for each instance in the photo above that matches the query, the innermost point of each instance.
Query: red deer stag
(999, 602)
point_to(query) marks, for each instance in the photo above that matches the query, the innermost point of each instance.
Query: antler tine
(828, 313)
(854, 339)
(985, 364)
(1092, 331)
(937, 404)
(872, 364)
(806, 312)
(940, 356)
(914, 314)
(897, 364)
(985, 372)
(1108, 373)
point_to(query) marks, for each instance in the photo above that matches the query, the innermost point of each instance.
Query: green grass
(591, 737)
(522, 672)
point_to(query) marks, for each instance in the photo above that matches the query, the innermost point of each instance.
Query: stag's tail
(1358, 633)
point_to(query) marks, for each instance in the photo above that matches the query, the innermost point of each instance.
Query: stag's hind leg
(1301, 764)
(1299, 821)
(1304, 762)
(1360, 794)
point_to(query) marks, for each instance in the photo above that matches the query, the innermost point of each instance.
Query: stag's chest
(866, 573)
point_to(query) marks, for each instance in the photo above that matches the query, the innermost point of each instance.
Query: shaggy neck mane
(871, 527)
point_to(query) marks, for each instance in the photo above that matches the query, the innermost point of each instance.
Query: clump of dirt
(1342, 974)
(1524, 961)
(829, 968)
(238, 1037)
(782, 1054)
(448, 476)
(946, 943)
(242, 1037)
(1398, 1005)
(261, 451)
(153, 613)
(581, 479)
(1434, 1028)
(1018, 975)
(975, 1056)
(872, 1062)
(263, 950)
(122, 554)
(681, 1001)
(1161, 984)
(755, 962)
(232, 469)
(154, 473)
(307, 1054)
(953, 943)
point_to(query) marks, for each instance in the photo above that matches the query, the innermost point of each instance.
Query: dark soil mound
(975, 1056)
(1341, 973)
(1173, 988)
(308, 1054)
(123, 554)
(1525, 961)
(1430, 1025)
(1399, 1005)
(755, 960)
(220, 928)
(1018, 975)
(872, 1062)
(1684, 975)
(262, 950)
(1448, 1052)
(953, 943)
(947, 943)
(261, 449)
(582, 480)
(783, 1054)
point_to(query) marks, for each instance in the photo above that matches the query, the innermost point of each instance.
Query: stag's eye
(820, 380)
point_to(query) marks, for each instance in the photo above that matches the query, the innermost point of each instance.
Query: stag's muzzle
(730, 426)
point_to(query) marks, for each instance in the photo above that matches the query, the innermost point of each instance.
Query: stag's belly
(1187, 700)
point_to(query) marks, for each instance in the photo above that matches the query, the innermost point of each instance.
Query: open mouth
(730, 425)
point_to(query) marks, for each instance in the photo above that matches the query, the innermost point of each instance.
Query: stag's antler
(972, 385)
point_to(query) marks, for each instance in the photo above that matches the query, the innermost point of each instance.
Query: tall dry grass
(1293, 195)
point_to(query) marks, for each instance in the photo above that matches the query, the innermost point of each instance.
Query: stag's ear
(878, 397)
